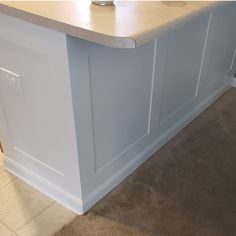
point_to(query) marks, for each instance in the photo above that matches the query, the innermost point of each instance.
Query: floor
(188, 188)
(26, 212)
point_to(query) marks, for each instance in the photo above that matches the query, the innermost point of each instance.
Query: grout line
(33, 217)
(4, 224)
(4, 186)
(14, 231)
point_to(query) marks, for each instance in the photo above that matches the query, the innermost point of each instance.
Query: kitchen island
(88, 93)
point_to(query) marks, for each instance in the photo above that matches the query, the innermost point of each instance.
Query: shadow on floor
(188, 188)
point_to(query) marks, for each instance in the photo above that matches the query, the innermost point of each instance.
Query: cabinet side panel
(37, 112)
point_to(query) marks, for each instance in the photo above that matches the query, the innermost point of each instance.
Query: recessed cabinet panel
(20, 101)
(36, 110)
(120, 81)
(179, 56)
(220, 47)
(29, 105)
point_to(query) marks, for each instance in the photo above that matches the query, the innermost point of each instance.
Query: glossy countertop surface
(127, 24)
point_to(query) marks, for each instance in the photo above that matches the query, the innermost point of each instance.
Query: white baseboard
(118, 177)
(78, 206)
(64, 198)
(234, 83)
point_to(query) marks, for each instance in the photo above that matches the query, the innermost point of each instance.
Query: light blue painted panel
(113, 91)
(220, 48)
(120, 82)
(36, 112)
(179, 56)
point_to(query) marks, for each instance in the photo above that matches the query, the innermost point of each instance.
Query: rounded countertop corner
(127, 24)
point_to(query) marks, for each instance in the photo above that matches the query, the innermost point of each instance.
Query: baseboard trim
(54, 192)
(234, 83)
(128, 169)
(80, 207)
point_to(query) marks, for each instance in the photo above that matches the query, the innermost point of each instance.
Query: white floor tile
(48, 222)
(1, 159)
(4, 231)
(19, 203)
(5, 177)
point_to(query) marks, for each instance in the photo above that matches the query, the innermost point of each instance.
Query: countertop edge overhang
(130, 41)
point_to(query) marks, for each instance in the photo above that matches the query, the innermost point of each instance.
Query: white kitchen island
(88, 93)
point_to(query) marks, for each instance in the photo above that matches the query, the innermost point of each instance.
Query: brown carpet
(188, 188)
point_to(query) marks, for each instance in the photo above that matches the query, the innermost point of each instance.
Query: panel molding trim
(26, 155)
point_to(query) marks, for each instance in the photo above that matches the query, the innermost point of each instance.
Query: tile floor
(25, 211)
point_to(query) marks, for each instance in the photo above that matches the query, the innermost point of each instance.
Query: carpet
(188, 188)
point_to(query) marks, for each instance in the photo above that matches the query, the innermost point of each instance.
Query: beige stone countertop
(127, 24)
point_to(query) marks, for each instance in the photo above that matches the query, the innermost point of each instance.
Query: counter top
(127, 24)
